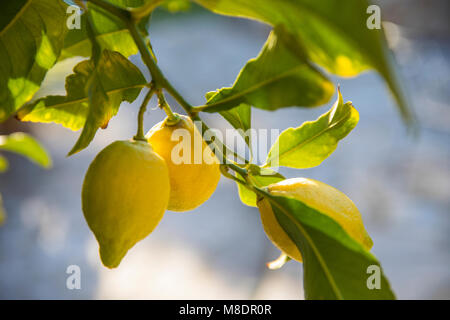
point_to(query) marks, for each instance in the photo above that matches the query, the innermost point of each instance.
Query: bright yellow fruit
(193, 168)
(316, 195)
(125, 193)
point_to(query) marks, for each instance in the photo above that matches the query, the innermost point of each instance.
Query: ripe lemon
(193, 168)
(316, 195)
(125, 193)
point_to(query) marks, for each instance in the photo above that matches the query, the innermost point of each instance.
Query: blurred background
(400, 183)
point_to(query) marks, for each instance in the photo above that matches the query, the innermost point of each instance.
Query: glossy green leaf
(107, 87)
(261, 177)
(25, 145)
(31, 38)
(335, 266)
(311, 143)
(334, 33)
(279, 77)
(111, 33)
(121, 79)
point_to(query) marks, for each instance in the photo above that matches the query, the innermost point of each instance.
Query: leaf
(31, 38)
(311, 143)
(71, 110)
(113, 80)
(333, 32)
(25, 145)
(279, 77)
(261, 177)
(334, 264)
(111, 33)
(240, 118)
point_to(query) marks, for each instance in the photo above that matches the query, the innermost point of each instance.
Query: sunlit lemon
(320, 197)
(125, 193)
(193, 168)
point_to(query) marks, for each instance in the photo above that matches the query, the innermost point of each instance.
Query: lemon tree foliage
(277, 86)
(131, 184)
(31, 34)
(119, 77)
(311, 143)
(110, 33)
(261, 177)
(24, 145)
(334, 264)
(333, 34)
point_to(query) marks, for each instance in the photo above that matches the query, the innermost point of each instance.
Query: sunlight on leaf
(311, 143)
(32, 35)
(25, 145)
(334, 34)
(289, 81)
(105, 92)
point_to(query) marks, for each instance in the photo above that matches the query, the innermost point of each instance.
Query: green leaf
(335, 266)
(311, 143)
(109, 84)
(25, 145)
(111, 33)
(279, 77)
(261, 177)
(333, 32)
(121, 79)
(31, 38)
(240, 118)
(4, 165)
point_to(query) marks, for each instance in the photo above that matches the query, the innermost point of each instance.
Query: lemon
(319, 196)
(193, 168)
(125, 193)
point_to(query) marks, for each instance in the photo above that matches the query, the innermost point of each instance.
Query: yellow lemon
(316, 195)
(125, 193)
(193, 168)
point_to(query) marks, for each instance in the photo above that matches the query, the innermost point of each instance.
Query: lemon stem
(172, 118)
(140, 130)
